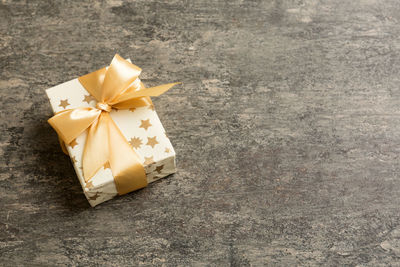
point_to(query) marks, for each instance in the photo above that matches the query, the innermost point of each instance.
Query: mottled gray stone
(286, 128)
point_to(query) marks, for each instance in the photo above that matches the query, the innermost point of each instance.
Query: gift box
(135, 118)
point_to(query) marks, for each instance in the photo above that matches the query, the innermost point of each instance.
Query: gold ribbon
(113, 87)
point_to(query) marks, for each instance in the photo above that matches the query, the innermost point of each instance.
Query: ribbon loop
(116, 87)
(70, 123)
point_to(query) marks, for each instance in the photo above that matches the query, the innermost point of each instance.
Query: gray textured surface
(286, 129)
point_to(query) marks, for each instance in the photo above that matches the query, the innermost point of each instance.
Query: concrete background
(286, 129)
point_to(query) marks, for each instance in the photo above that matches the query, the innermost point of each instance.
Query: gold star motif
(152, 141)
(88, 99)
(132, 109)
(107, 165)
(167, 150)
(135, 142)
(74, 159)
(148, 160)
(73, 143)
(159, 169)
(145, 124)
(64, 103)
(94, 197)
(151, 107)
(89, 184)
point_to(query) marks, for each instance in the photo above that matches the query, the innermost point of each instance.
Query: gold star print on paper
(107, 165)
(74, 159)
(151, 107)
(152, 141)
(135, 142)
(94, 197)
(148, 160)
(88, 99)
(145, 124)
(159, 168)
(167, 150)
(64, 103)
(89, 184)
(73, 143)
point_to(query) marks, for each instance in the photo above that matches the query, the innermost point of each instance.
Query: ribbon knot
(117, 86)
(103, 106)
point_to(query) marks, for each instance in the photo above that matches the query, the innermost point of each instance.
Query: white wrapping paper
(141, 127)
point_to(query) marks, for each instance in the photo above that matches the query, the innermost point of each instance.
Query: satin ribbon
(113, 87)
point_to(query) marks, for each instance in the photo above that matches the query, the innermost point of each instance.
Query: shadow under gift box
(140, 126)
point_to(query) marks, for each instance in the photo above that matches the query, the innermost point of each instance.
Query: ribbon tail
(128, 172)
(134, 103)
(151, 91)
(96, 151)
(156, 90)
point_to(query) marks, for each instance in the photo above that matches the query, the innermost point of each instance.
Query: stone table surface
(286, 129)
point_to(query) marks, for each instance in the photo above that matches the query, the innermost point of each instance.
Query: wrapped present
(107, 124)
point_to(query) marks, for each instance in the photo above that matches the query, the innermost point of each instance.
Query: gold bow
(113, 87)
